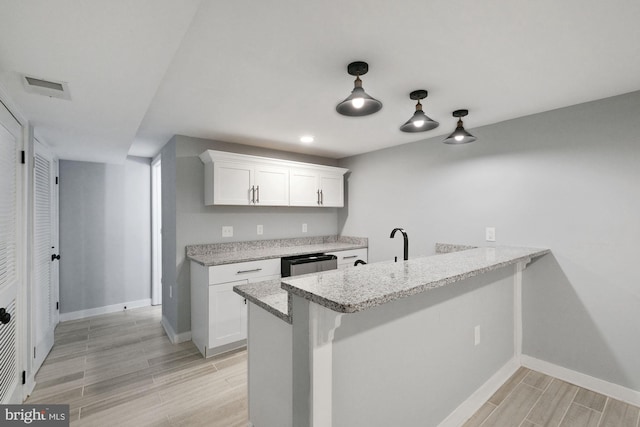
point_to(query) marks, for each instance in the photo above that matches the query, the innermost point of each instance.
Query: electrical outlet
(304, 228)
(227, 231)
(490, 234)
(476, 333)
(259, 230)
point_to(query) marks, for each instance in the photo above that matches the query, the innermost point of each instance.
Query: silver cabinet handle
(249, 271)
(350, 256)
(258, 194)
(253, 194)
(321, 198)
(318, 192)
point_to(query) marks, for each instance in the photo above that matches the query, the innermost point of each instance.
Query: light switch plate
(490, 234)
(227, 231)
(259, 230)
(304, 228)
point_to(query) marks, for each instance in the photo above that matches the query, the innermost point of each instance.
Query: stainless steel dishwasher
(303, 264)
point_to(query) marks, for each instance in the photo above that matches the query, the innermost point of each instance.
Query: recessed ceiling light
(307, 139)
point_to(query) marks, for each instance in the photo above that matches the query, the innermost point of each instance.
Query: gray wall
(196, 223)
(105, 233)
(568, 180)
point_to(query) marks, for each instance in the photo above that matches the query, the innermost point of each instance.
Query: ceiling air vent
(46, 87)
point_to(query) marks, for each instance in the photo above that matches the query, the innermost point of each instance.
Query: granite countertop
(356, 289)
(233, 252)
(268, 295)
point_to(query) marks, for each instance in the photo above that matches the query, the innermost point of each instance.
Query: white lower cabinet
(219, 315)
(347, 258)
(228, 315)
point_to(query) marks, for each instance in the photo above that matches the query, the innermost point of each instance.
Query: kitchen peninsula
(406, 343)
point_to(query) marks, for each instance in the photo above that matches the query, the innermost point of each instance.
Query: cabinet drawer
(350, 256)
(243, 270)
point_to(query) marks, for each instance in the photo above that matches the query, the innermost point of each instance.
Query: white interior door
(10, 272)
(45, 253)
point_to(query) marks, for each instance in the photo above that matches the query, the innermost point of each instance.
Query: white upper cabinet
(272, 185)
(331, 190)
(315, 187)
(303, 189)
(236, 183)
(237, 179)
(231, 184)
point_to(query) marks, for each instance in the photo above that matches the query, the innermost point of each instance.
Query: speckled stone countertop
(268, 295)
(356, 289)
(229, 253)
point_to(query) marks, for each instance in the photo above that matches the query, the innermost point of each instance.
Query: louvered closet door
(43, 301)
(10, 132)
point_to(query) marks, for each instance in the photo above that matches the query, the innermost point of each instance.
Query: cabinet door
(303, 188)
(227, 314)
(347, 258)
(232, 183)
(332, 190)
(272, 186)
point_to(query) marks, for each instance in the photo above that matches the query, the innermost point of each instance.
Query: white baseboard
(81, 314)
(470, 406)
(173, 336)
(616, 391)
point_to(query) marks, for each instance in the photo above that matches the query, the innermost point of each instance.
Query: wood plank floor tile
(478, 418)
(537, 380)
(553, 404)
(591, 399)
(508, 387)
(619, 414)
(515, 407)
(580, 416)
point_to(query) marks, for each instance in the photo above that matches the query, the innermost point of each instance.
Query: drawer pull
(249, 271)
(350, 256)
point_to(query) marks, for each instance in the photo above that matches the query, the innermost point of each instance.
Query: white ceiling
(266, 72)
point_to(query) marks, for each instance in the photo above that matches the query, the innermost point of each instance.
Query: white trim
(156, 230)
(13, 107)
(616, 391)
(322, 326)
(172, 335)
(81, 314)
(517, 309)
(212, 156)
(478, 398)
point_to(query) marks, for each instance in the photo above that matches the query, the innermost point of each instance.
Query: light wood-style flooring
(121, 370)
(532, 399)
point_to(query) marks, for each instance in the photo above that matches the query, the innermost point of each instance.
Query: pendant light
(460, 136)
(359, 103)
(419, 122)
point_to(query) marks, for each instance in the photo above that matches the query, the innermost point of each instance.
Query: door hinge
(57, 305)
(22, 157)
(56, 180)
(24, 377)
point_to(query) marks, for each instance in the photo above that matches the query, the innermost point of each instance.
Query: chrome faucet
(406, 241)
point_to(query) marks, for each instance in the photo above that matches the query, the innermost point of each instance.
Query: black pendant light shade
(359, 103)
(460, 136)
(419, 122)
